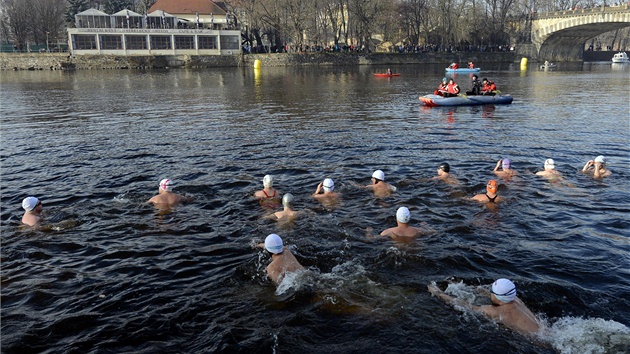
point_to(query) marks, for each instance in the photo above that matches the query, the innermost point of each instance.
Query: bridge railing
(578, 12)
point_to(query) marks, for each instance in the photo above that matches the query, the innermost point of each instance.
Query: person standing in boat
(475, 86)
(452, 89)
(442, 87)
(454, 66)
(488, 87)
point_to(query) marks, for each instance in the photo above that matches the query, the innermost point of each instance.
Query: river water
(108, 273)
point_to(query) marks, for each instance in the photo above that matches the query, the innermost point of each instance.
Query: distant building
(172, 27)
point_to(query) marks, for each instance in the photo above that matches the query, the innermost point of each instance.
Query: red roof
(174, 7)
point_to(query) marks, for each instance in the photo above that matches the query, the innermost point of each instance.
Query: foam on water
(572, 335)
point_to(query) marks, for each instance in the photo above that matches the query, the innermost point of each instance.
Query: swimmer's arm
(319, 189)
(496, 168)
(370, 236)
(435, 291)
(588, 164)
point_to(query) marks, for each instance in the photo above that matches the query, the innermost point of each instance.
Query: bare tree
(19, 21)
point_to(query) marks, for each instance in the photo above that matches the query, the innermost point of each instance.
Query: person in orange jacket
(442, 88)
(452, 89)
(488, 87)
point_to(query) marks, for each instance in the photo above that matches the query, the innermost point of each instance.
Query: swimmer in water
(380, 188)
(598, 166)
(550, 170)
(32, 211)
(329, 191)
(506, 170)
(268, 192)
(166, 197)
(288, 213)
(282, 260)
(444, 174)
(506, 308)
(491, 195)
(402, 231)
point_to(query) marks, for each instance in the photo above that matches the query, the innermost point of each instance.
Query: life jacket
(453, 88)
(489, 86)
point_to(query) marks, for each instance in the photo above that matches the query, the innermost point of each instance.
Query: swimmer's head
(329, 185)
(506, 163)
(600, 159)
(492, 186)
(475, 77)
(444, 80)
(403, 215)
(504, 290)
(445, 167)
(268, 181)
(287, 200)
(273, 244)
(378, 175)
(30, 203)
(550, 164)
(166, 185)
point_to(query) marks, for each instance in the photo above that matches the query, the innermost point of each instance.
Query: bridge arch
(561, 36)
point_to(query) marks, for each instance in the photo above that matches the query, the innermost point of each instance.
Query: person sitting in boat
(488, 88)
(454, 66)
(442, 87)
(452, 89)
(389, 71)
(471, 65)
(475, 88)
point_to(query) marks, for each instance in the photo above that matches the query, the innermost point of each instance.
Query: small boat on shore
(464, 100)
(620, 57)
(463, 70)
(386, 74)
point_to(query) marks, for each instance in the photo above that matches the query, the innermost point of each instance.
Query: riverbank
(64, 61)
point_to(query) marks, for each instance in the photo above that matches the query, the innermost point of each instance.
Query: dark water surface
(110, 274)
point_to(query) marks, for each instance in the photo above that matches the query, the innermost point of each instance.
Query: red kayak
(385, 75)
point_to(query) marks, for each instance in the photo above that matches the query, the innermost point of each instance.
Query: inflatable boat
(464, 100)
(463, 70)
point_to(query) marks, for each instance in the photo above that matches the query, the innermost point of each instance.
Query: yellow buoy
(257, 64)
(524, 64)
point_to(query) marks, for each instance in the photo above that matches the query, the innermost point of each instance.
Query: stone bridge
(561, 35)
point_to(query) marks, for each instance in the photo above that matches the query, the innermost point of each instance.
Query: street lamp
(47, 48)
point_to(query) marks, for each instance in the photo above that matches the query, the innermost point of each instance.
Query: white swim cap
(378, 174)
(329, 185)
(600, 159)
(166, 184)
(504, 290)
(30, 203)
(287, 199)
(403, 215)
(273, 244)
(550, 163)
(268, 181)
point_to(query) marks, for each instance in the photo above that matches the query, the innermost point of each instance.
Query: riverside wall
(64, 61)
